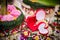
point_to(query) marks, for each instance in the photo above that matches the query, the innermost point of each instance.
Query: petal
(40, 14)
(10, 8)
(7, 18)
(15, 13)
(41, 29)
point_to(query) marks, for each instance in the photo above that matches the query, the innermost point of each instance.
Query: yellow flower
(26, 33)
(48, 38)
(36, 37)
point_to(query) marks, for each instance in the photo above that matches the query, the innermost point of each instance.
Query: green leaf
(49, 2)
(36, 5)
(12, 24)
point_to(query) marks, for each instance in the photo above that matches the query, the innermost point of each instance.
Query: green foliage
(30, 38)
(11, 24)
(42, 3)
(49, 2)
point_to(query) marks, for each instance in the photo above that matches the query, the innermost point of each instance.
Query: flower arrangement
(10, 15)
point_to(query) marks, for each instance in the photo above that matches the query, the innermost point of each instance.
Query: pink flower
(15, 13)
(7, 18)
(10, 8)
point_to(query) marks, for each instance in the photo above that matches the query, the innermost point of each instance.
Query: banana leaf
(42, 3)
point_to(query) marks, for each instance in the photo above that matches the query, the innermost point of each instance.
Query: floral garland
(11, 19)
(12, 14)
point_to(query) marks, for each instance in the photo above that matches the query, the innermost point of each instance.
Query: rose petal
(10, 8)
(7, 18)
(15, 13)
